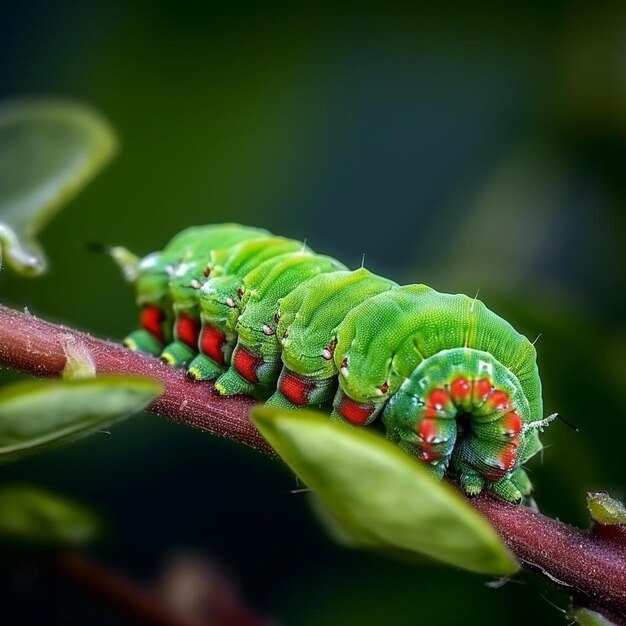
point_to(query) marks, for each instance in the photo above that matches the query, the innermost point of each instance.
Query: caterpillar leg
(347, 410)
(520, 479)
(216, 344)
(150, 337)
(250, 372)
(182, 350)
(279, 401)
(426, 430)
(490, 449)
(232, 383)
(296, 391)
(177, 354)
(204, 368)
(142, 341)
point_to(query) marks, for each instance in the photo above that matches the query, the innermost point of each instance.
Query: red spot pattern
(499, 400)
(512, 423)
(482, 388)
(188, 330)
(212, 342)
(460, 388)
(295, 388)
(247, 364)
(438, 398)
(355, 412)
(428, 456)
(428, 430)
(151, 319)
(507, 458)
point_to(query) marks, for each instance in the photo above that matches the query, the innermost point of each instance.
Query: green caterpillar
(457, 386)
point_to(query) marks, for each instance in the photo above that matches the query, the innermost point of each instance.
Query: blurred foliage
(605, 510)
(468, 148)
(587, 617)
(50, 149)
(32, 517)
(39, 414)
(380, 497)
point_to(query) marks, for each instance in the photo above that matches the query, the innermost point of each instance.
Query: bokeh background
(469, 149)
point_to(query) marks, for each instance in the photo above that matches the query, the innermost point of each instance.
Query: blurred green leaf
(587, 617)
(32, 515)
(38, 414)
(48, 150)
(605, 510)
(382, 496)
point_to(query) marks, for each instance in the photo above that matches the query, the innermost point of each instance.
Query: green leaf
(587, 617)
(49, 149)
(382, 496)
(605, 510)
(38, 414)
(29, 514)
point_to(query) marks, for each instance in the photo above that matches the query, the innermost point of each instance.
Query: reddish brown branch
(138, 604)
(37, 347)
(590, 565)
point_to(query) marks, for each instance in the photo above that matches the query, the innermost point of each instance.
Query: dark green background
(470, 149)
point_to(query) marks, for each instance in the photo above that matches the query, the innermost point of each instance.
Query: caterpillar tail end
(143, 341)
(177, 354)
(204, 368)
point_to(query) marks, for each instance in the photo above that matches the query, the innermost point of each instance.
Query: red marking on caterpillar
(355, 412)
(428, 430)
(460, 389)
(438, 398)
(151, 319)
(428, 456)
(513, 424)
(508, 457)
(482, 388)
(295, 388)
(247, 364)
(188, 330)
(212, 343)
(506, 460)
(428, 433)
(500, 400)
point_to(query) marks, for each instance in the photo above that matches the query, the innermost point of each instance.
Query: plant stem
(136, 603)
(590, 566)
(37, 347)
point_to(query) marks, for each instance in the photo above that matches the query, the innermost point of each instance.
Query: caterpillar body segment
(241, 259)
(456, 385)
(374, 353)
(463, 394)
(307, 332)
(221, 299)
(256, 363)
(187, 278)
(151, 277)
(382, 342)
(473, 371)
